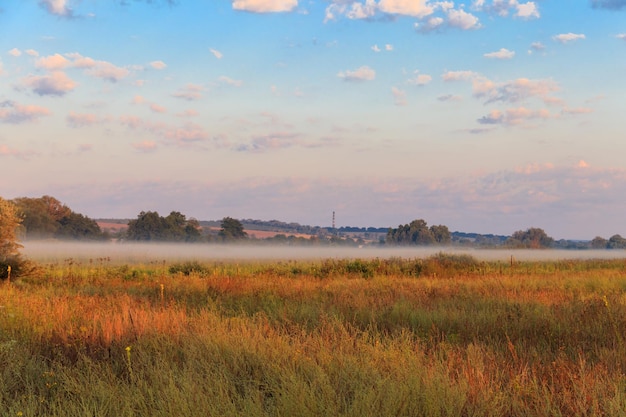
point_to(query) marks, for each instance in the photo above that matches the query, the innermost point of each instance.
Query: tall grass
(447, 336)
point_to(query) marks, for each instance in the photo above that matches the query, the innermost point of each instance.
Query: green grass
(442, 336)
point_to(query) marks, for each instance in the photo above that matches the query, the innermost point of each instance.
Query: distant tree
(417, 233)
(149, 226)
(441, 234)
(39, 216)
(9, 246)
(533, 238)
(599, 243)
(616, 242)
(232, 230)
(78, 226)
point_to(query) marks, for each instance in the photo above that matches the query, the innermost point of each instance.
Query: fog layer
(147, 252)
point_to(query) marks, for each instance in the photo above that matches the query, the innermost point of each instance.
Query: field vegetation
(447, 335)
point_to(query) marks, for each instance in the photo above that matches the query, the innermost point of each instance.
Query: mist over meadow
(50, 250)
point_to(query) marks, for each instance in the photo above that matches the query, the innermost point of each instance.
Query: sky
(487, 116)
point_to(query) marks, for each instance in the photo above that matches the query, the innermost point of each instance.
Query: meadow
(440, 335)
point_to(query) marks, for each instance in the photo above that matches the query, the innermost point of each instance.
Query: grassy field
(447, 335)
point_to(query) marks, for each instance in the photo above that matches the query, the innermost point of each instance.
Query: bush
(188, 268)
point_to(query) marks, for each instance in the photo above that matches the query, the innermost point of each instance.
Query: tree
(599, 243)
(232, 230)
(78, 226)
(616, 242)
(533, 238)
(418, 233)
(149, 226)
(9, 247)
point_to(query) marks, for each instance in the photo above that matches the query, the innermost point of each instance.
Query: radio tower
(333, 220)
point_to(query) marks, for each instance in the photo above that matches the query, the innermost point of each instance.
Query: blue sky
(487, 116)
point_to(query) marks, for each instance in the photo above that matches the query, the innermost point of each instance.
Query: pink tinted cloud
(55, 84)
(15, 113)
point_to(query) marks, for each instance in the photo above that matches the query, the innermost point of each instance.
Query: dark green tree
(599, 243)
(441, 234)
(148, 226)
(78, 226)
(616, 242)
(232, 230)
(532, 238)
(416, 233)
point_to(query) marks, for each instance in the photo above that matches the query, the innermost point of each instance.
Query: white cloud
(55, 84)
(145, 146)
(229, 81)
(265, 6)
(462, 20)
(363, 73)
(527, 10)
(15, 52)
(399, 96)
(621, 36)
(568, 37)
(514, 116)
(420, 79)
(416, 8)
(157, 109)
(32, 52)
(158, 65)
(190, 92)
(217, 54)
(503, 53)
(15, 113)
(53, 62)
(536, 47)
(459, 75)
(388, 47)
(57, 7)
(82, 120)
(375, 48)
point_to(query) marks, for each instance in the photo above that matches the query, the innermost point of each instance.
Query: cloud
(459, 75)
(77, 120)
(15, 52)
(415, 8)
(502, 8)
(568, 37)
(145, 146)
(229, 81)
(449, 97)
(95, 68)
(460, 19)
(57, 7)
(363, 73)
(608, 4)
(55, 84)
(621, 36)
(265, 6)
(53, 62)
(577, 110)
(32, 52)
(514, 116)
(157, 109)
(503, 53)
(217, 54)
(420, 79)
(399, 96)
(158, 65)
(375, 48)
(536, 47)
(272, 141)
(15, 113)
(388, 47)
(99, 69)
(190, 92)
(184, 135)
(514, 91)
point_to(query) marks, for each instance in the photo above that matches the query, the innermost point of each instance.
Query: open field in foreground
(447, 335)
